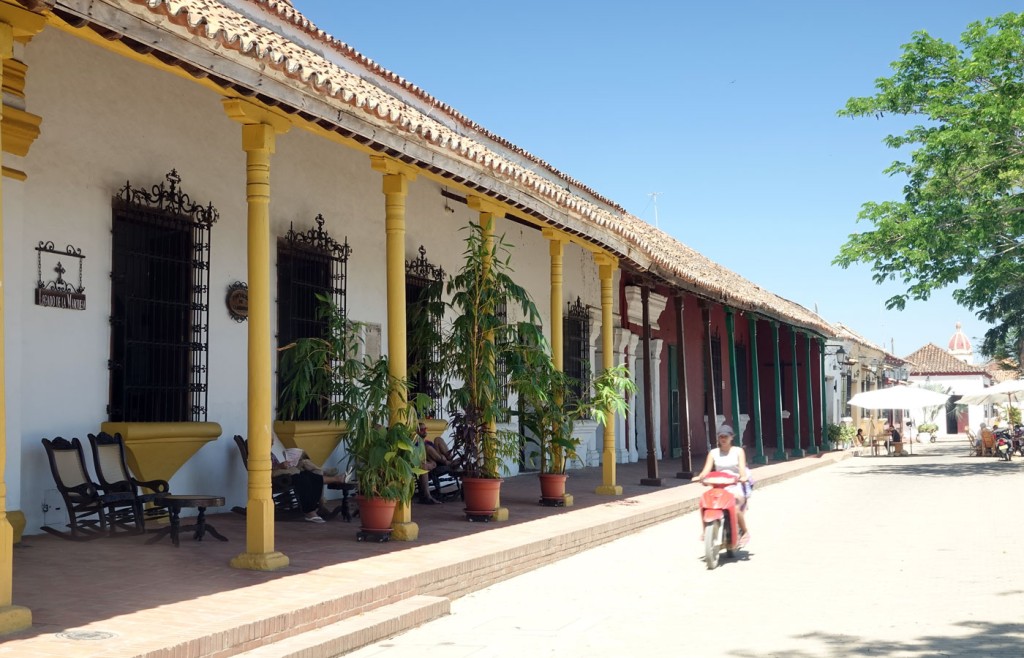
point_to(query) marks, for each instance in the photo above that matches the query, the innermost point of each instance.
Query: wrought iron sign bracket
(58, 293)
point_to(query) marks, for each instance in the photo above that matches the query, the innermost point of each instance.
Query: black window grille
(309, 264)
(159, 304)
(423, 282)
(576, 353)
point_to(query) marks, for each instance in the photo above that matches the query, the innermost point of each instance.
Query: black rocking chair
(92, 513)
(114, 476)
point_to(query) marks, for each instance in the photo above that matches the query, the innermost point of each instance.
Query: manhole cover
(91, 636)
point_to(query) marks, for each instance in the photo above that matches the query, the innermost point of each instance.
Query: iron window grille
(424, 312)
(159, 316)
(310, 264)
(576, 355)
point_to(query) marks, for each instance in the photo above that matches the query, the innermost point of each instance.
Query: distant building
(951, 371)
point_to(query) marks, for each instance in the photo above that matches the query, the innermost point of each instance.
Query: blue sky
(725, 108)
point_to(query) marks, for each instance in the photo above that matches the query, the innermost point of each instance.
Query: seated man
(897, 441)
(438, 461)
(307, 480)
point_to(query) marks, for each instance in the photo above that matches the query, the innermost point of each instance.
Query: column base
(405, 531)
(760, 459)
(260, 561)
(684, 475)
(500, 514)
(780, 456)
(14, 618)
(651, 482)
(797, 453)
(814, 450)
(17, 520)
(609, 490)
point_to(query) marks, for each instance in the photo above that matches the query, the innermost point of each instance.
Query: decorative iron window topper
(58, 293)
(237, 301)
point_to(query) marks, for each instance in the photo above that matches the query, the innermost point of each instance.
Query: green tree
(961, 220)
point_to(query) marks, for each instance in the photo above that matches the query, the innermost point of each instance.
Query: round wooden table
(174, 504)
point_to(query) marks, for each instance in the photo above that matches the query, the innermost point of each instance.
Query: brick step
(355, 632)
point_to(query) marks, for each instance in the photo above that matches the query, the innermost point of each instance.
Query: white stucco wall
(106, 121)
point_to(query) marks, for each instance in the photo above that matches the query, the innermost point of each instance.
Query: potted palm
(480, 296)
(551, 410)
(353, 392)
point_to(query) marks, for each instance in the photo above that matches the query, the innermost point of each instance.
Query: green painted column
(812, 448)
(734, 385)
(755, 367)
(780, 449)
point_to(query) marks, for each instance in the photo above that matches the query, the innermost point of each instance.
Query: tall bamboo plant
(354, 390)
(550, 411)
(479, 338)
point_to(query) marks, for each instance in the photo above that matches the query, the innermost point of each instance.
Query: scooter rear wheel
(712, 543)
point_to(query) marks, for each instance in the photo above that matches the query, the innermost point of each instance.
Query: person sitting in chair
(896, 440)
(308, 481)
(439, 460)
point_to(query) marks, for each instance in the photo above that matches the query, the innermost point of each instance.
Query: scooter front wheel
(712, 542)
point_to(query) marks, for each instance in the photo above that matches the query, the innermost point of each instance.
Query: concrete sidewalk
(120, 597)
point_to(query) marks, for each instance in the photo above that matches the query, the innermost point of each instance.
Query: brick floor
(161, 601)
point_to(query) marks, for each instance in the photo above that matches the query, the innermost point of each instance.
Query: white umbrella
(899, 397)
(1007, 391)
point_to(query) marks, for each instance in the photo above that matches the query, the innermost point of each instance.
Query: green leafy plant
(928, 428)
(840, 436)
(480, 337)
(1013, 414)
(550, 412)
(353, 392)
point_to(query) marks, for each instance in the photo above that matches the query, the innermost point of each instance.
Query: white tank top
(729, 463)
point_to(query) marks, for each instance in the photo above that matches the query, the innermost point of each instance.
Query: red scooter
(718, 512)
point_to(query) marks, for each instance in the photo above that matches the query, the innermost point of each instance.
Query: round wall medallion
(238, 301)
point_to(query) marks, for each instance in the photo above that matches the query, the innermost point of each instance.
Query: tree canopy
(961, 220)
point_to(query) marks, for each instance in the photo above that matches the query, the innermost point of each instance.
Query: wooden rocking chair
(286, 501)
(92, 513)
(114, 476)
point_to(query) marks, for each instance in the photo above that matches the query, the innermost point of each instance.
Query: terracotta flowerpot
(481, 495)
(552, 485)
(376, 513)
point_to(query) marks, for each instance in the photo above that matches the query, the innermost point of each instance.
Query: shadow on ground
(982, 639)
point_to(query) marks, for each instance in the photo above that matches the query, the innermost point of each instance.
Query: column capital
(23, 25)
(249, 114)
(391, 167)
(606, 259)
(484, 204)
(554, 235)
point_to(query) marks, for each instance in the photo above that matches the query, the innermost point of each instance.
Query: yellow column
(606, 269)
(395, 187)
(489, 211)
(259, 130)
(556, 247)
(21, 25)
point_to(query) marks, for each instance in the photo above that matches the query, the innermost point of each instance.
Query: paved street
(873, 556)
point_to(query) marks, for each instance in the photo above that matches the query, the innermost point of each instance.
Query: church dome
(959, 344)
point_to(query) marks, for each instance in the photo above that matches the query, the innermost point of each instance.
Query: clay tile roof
(389, 98)
(933, 360)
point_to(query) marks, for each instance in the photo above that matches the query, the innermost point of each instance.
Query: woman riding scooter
(731, 459)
